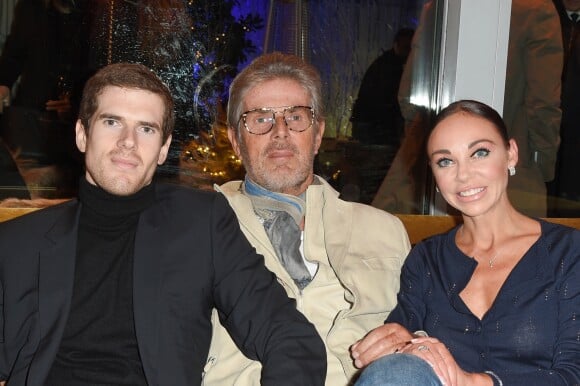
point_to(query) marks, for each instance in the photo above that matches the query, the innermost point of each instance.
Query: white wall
(475, 51)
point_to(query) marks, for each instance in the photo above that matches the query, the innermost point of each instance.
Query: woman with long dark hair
(496, 300)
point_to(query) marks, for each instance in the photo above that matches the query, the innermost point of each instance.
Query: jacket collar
(56, 278)
(150, 240)
(318, 197)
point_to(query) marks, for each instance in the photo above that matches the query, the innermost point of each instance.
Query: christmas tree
(195, 46)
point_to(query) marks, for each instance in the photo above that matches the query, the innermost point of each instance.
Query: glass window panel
(564, 190)
(198, 46)
(532, 100)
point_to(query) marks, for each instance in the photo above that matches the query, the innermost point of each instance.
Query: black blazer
(190, 257)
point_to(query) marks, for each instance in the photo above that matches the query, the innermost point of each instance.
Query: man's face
(123, 144)
(572, 5)
(281, 160)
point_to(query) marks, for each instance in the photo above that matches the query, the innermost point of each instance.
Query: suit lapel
(149, 243)
(341, 212)
(56, 278)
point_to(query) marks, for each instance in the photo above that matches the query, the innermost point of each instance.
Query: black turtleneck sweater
(99, 345)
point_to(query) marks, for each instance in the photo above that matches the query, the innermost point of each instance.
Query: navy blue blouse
(531, 333)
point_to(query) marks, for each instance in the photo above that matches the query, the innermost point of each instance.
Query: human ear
(233, 137)
(318, 136)
(164, 151)
(80, 136)
(512, 153)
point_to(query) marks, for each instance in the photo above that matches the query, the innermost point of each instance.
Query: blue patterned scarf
(281, 214)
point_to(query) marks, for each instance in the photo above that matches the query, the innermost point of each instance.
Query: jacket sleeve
(256, 311)
(544, 61)
(411, 309)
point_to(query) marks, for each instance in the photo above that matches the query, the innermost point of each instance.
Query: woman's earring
(512, 170)
(436, 188)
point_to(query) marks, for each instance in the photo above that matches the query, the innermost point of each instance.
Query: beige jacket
(360, 251)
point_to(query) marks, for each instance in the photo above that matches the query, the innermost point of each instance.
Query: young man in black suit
(117, 287)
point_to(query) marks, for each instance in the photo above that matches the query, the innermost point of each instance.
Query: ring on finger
(423, 348)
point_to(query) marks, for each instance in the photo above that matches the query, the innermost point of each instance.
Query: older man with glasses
(339, 260)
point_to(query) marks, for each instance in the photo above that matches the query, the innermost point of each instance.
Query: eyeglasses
(260, 121)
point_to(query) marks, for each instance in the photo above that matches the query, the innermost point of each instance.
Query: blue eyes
(478, 154)
(444, 162)
(481, 153)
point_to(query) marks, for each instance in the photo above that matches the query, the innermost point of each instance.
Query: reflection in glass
(532, 101)
(345, 38)
(564, 190)
(197, 47)
(406, 187)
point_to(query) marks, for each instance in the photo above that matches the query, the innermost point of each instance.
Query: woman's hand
(438, 356)
(381, 341)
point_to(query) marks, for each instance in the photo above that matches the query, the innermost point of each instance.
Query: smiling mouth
(471, 192)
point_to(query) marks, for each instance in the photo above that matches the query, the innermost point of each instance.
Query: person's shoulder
(230, 188)
(437, 241)
(559, 246)
(373, 219)
(39, 219)
(179, 198)
(553, 232)
(380, 62)
(436, 250)
(360, 211)
(365, 210)
(169, 191)
(386, 55)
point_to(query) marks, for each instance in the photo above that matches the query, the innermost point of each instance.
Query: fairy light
(110, 32)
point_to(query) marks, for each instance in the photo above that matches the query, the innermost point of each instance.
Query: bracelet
(494, 377)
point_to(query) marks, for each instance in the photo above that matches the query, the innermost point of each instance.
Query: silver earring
(436, 188)
(512, 170)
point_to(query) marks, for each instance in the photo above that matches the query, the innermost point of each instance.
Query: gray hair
(274, 66)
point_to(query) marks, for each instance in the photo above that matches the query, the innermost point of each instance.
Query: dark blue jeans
(398, 370)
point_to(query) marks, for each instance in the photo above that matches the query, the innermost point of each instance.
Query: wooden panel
(10, 213)
(418, 227)
(573, 222)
